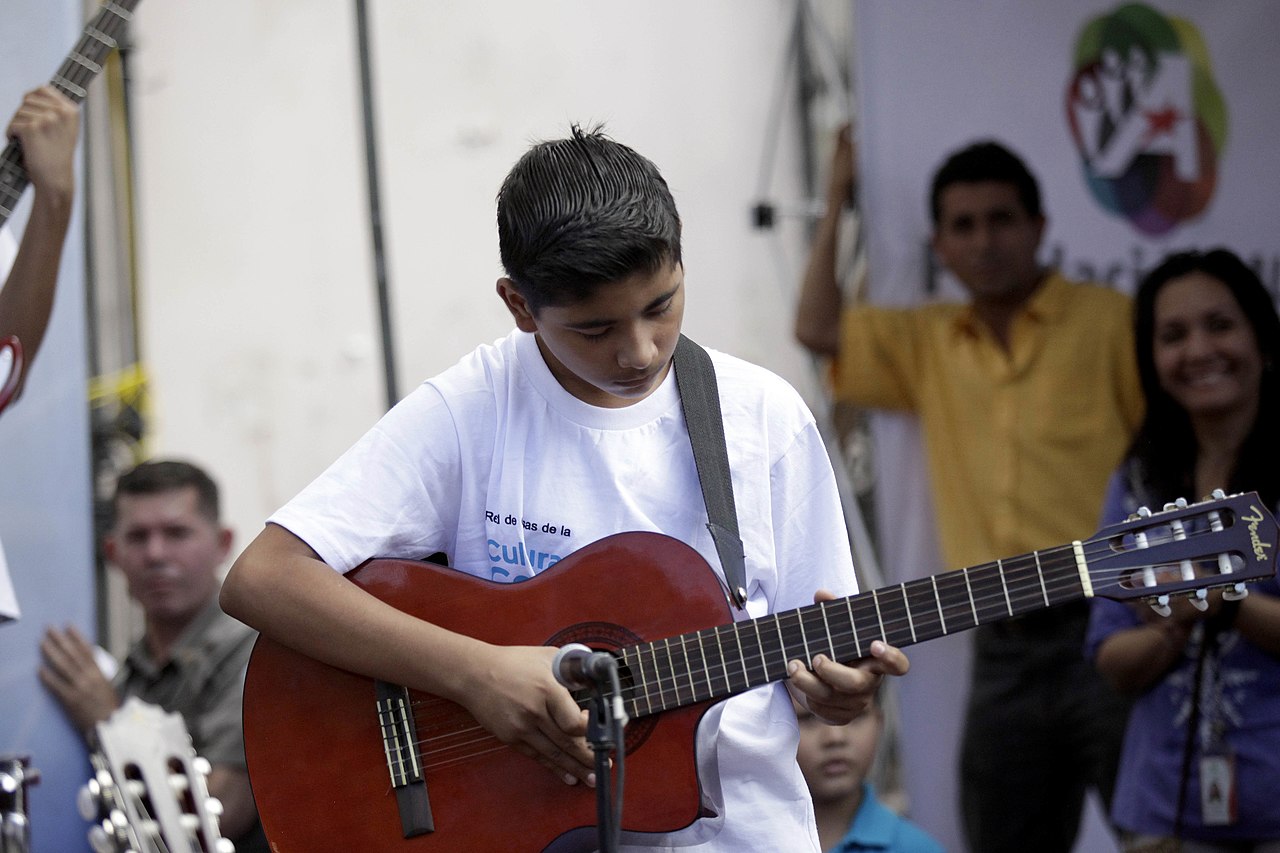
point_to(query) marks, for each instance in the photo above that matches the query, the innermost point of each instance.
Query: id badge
(1218, 789)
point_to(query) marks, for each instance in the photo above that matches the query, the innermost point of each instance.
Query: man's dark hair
(579, 212)
(1165, 445)
(167, 475)
(981, 162)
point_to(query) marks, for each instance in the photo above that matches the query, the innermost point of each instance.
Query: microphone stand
(604, 731)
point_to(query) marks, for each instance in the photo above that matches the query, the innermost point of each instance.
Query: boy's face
(613, 348)
(835, 759)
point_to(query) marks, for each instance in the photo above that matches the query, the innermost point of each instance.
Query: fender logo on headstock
(1259, 547)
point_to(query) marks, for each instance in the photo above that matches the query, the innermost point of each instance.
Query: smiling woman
(1206, 335)
(1199, 751)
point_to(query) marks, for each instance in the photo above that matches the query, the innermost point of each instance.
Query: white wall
(259, 321)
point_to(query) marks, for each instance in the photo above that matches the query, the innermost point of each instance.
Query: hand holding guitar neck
(73, 76)
(42, 139)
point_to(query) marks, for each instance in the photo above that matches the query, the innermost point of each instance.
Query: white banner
(1150, 127)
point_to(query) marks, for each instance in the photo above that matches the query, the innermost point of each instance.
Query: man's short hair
(984, 161)
(167, 475)
(579, 212)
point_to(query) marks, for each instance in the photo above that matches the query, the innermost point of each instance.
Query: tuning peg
(100, 840)
(1160, 604)
(1218, 495)
(202, 765)
(89, 800)
(1199, 599)
(214, 806)
(1235, 593)
(224, 845)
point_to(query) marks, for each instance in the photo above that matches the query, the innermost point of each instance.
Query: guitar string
(896, 624)
(1064, 577)
(669, 682)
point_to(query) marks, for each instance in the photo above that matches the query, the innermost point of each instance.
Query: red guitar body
(315, 752)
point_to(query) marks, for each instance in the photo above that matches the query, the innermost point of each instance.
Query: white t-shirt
(496, 439)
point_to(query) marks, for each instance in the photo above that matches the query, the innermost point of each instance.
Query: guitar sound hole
(607, 637)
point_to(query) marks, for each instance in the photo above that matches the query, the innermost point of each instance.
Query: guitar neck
(82, 64)
(718, 662)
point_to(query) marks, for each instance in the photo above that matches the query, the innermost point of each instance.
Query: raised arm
(280, 586)
(46, 124)
(817, 324)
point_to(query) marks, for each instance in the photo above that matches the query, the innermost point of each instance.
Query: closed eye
(663, 309)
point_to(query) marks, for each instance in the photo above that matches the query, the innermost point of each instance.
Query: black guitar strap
(700, 401)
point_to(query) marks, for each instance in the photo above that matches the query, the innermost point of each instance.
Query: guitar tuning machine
(1199, 599)
(111, 835)
(1160, 604)
(100, 840)
(89, 799)
(1235, 592)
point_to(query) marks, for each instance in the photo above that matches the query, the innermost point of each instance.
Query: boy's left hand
(837, 693)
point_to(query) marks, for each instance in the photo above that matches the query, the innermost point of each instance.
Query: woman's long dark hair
(1164, 449)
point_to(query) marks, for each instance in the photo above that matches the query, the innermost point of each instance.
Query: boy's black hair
(1165, 445)
(167, 475)
(986, 161)
(579, 212)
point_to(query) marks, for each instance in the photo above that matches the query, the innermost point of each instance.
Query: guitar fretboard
(729, 659)
(81, 65)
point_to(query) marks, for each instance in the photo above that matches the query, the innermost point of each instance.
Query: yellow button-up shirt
(1021, 442)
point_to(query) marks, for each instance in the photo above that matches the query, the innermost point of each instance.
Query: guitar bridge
(400, 744)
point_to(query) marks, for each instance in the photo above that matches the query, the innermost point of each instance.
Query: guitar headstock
(148, 791)
(1224, 542)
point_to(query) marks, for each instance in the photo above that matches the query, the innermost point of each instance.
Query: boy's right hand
(519, 701)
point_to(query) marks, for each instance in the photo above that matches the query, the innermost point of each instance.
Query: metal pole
(375, 205)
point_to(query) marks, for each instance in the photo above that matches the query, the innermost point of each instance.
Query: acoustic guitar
(339, 761)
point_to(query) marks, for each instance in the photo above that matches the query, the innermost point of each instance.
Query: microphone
(576, 666)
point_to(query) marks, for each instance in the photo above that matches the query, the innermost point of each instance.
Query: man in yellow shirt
(1027, 396)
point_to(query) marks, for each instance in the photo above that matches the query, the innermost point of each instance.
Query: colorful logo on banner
(1147, 117)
